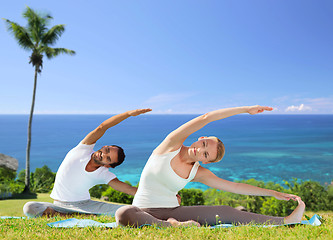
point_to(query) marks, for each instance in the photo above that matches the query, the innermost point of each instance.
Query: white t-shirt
(159, 184)
(72, 182)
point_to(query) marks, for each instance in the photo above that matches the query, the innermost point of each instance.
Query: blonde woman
(172, 165)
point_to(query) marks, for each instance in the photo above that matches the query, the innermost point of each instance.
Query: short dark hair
(121, 157)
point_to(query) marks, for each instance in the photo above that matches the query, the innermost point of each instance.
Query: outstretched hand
(285, 196)
(137, 112)
(258, 109)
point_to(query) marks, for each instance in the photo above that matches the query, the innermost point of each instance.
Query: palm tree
(36, 37)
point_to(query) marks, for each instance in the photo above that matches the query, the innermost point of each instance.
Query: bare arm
(205, 176)
(120, 186)
(96, 134)
(176, 138)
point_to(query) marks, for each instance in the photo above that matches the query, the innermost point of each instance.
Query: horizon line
(298, 113)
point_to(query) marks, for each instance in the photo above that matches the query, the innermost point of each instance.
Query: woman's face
(204, 150)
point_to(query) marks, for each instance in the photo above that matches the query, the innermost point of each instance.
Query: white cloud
(294, 104)
(299, 108)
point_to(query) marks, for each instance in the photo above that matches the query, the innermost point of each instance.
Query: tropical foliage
(192, 197)
(41, 181)
(316, 196)
(116, 196)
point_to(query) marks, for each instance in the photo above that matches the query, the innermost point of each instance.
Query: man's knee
(125, 215)
(34, 209)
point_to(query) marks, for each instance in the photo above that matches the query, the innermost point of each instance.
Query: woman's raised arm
(176, 138)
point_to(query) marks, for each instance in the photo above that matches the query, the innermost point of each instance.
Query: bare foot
(297, 214)
(176, 223)
(49, 212)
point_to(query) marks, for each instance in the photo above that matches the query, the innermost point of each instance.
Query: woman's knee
(34, 209)
(126, 215)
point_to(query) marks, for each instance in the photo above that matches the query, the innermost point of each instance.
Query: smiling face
(204, 150)
(107, 156)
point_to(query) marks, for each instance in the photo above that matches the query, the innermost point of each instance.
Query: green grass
(37, 228)
(13, 207)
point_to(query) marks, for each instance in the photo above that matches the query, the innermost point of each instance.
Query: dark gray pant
(205, 215)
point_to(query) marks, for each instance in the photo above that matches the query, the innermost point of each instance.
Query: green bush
(7, 175)
(218, 197)
(96, 191)
(16, 187)
(330, 196)
(272, 206)
(41, 181)
(116, 196)
(315, 196)
(264, 205)
(192, 197)
(4, 188)
(8, 185)
(21, 176)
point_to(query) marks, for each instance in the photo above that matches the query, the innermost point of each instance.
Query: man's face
(107, 156)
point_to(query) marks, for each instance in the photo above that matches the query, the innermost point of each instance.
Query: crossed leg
(200, 215)
(204, 215)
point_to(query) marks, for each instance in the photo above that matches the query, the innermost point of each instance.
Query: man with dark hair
(82, 169)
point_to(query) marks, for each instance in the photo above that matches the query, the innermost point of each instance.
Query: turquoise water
(264, 147)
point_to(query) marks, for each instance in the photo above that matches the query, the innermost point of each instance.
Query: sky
(175, 56)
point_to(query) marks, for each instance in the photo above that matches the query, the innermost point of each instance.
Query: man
(82, 169)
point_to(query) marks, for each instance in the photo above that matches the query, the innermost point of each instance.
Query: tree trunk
(27, 162)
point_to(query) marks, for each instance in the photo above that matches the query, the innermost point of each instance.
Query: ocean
(266, 147)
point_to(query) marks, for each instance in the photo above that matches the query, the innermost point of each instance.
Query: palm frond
(53, 52)
(32, 15)
(37, 23)
(51, 36)
(20, 34)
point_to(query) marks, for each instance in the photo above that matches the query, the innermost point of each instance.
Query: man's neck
(92, 166)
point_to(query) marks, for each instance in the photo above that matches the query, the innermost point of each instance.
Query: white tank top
(159, 184)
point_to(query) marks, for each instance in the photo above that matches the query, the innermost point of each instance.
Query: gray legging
(205, 215)
(36, 209)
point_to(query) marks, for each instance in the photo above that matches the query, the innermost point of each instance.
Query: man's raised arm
(96, 134)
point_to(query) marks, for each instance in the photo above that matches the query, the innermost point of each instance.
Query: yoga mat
(314, 221)
(73, 222)
(9, 217)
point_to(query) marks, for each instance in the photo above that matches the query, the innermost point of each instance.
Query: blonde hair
(220, 150)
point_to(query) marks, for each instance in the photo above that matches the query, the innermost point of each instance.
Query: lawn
(37, 228)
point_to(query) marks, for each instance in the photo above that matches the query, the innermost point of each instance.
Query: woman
(172, 165)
